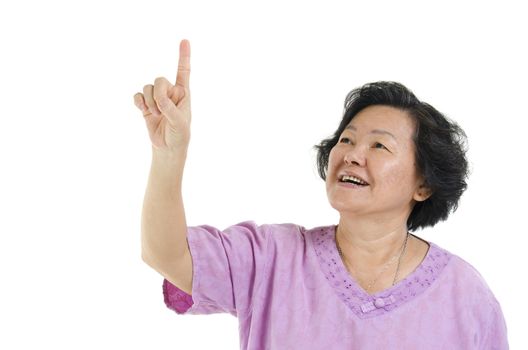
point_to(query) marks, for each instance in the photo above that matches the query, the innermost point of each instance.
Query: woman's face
(378, 147)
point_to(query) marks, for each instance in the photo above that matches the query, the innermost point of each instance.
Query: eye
(344, 139)
(380, 146)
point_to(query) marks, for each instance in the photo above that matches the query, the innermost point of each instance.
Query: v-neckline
(354, 296)
(386, 289)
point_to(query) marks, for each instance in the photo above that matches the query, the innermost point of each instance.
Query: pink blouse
(289, 289)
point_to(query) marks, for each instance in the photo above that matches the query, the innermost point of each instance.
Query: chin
(345, 206)
(348, 210)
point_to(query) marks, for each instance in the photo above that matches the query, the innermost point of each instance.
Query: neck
(368, 244)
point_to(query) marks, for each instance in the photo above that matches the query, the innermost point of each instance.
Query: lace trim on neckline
(354, 296)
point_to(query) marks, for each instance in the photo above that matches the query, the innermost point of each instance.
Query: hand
(167, 108)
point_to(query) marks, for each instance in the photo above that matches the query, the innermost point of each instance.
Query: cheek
(333, 160)
(398, 175)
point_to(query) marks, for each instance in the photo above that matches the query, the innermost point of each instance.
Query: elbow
(147, 258)
(152, 260)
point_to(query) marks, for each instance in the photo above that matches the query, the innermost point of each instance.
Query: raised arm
(166, 109)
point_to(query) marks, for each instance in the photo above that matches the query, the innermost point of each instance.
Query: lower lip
(350, 185)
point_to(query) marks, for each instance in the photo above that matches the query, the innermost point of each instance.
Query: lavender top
(289, 289)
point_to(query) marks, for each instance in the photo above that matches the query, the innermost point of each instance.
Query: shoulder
(250, 230)
(285, 235)
(465, 280)
(291, 231)
(462, 269)
(288, 237)
(469, 292)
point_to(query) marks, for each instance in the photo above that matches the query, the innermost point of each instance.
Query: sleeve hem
(175, 298)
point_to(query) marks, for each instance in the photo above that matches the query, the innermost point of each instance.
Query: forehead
(393, 120)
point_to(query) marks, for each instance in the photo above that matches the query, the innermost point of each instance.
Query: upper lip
(350, 173)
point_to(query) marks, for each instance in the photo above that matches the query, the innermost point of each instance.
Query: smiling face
(377, 146)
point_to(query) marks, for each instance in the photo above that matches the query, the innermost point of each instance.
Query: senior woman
(394, 165)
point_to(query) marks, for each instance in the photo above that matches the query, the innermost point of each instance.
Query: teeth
(353, 178)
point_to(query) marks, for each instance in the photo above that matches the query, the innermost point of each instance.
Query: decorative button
(379, 303)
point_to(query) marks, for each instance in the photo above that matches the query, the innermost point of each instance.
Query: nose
(354, 156)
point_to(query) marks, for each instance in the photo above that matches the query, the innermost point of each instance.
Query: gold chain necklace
(386, 266)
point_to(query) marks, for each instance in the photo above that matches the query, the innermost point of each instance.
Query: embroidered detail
(354, 296)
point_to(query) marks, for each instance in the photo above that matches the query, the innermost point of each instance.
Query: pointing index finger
(184, 64)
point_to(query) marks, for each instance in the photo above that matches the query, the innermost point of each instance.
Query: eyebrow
(375, 131)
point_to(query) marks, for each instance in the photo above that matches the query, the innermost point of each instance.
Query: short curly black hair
(440, 151)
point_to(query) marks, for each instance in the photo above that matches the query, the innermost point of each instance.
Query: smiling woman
(394, 164)
(435, 146)
(377, 143)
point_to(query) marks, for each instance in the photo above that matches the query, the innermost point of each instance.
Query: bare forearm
(163, 225)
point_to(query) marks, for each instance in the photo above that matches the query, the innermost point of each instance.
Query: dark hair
(440, 151)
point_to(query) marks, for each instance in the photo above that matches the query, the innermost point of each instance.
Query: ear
(422, 193)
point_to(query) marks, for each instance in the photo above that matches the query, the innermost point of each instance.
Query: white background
(268, 81)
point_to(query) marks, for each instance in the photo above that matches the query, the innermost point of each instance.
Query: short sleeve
(228, 267)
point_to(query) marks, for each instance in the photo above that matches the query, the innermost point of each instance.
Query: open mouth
(352, 180)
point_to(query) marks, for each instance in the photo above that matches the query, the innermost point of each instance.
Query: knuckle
(159, 87)
(147, 88)
(184, 68)
(160, 80)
